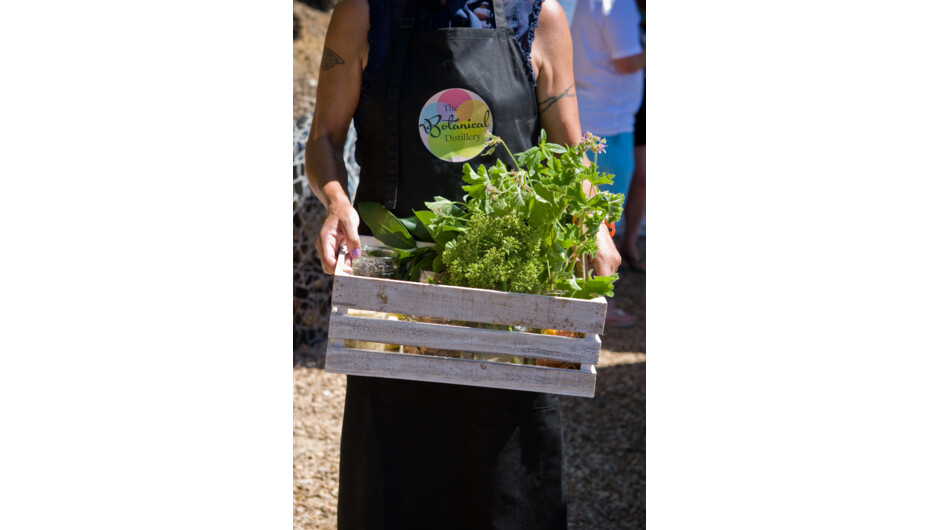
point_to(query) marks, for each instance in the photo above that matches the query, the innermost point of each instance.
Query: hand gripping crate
(467, 305)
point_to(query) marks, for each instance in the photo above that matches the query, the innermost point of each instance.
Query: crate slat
(445, 337)
(471, 305)
(340, 359)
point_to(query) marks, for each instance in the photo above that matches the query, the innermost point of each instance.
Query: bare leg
(634, 210)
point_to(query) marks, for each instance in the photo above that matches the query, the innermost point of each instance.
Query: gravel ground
(318, 421)
(605, 437)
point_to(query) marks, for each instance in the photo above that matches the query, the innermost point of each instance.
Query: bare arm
(554, 76)
(344, 55)
(631, 64)
(558, 104)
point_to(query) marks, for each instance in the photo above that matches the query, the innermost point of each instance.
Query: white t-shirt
(601, 31)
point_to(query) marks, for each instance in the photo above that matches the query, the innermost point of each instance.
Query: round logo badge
(454, 123)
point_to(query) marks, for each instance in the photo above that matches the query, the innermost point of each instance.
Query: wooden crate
(469, 305)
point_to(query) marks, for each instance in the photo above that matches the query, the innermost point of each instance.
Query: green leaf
(441, 230)
(442, 206)
(555, 148)
(603, 178)
(470, 176)
(541, 212)
(597, 286)
(544, 191)
(475, 190)
(385, 226)
(416, 228)
(426, 218)
(530, 157)
(425, 263)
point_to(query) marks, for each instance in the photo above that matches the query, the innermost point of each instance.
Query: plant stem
(506, 147)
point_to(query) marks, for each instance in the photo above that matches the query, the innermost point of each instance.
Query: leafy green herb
(521, 230)
(496, 252)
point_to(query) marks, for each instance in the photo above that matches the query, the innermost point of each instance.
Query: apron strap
(402, 40)
(499, 16)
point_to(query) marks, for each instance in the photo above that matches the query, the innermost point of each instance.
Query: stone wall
(312, 287)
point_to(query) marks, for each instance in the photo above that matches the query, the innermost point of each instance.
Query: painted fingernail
(355, 253)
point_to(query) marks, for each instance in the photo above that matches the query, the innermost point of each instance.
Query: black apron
(411, 94)
(418, 455)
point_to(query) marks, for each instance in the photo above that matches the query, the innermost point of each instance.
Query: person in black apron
(428, 455)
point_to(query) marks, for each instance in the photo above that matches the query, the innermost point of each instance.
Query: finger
(332, 237)
(319, 246)
(351, 233)
(327, 250)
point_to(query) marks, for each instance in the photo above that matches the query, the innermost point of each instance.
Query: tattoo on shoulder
(330, 59)
(545, 105)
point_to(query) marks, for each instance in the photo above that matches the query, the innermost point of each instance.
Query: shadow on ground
(313, 356)
(605, 451)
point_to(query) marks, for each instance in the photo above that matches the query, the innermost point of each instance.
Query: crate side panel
(471, 305)
(460, 371)
(444, 337)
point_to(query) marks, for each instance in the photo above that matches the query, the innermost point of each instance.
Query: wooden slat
(461, 371)
(458, 338)
(471, 305)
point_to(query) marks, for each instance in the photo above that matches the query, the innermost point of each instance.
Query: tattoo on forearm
(330, 59)
(545, 105)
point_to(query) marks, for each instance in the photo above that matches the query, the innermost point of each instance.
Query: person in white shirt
(608, 65)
